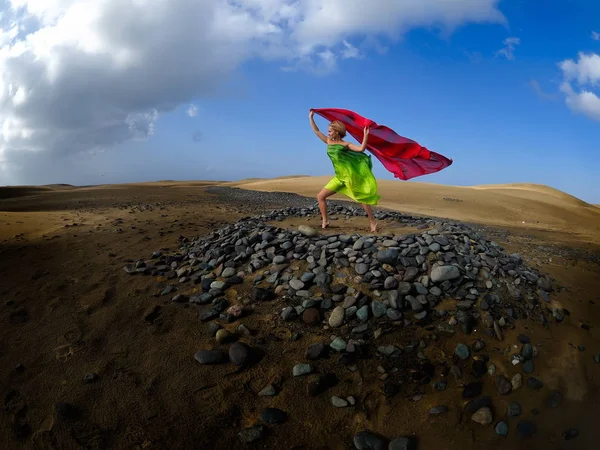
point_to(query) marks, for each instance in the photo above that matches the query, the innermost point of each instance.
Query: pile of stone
(400, 279)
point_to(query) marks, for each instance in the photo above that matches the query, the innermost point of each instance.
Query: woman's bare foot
(324, 224)
(373, 227)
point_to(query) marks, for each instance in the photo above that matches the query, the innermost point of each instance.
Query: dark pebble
(472, 389)
(534, 383)
(403, 443)
(524, 339)
(206, 357)
(207, 316)
(501, 429)
(479, 368)
(581, 348)
(597, 358)
(527, 352)
(311, 316)
(571, 433)
(366, 440)
(251, 434)
(273, 415)
(525, 429)
(503, 386)
(239, 354)
(316, 351)
(528, 367)
(514, 410)
(554, 399)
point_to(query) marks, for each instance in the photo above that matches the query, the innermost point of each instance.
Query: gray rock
(402, 443)
(209, 357)
(338, 344)
(239, 354)
(301, 369)
(440, 274)
(378, 309)
(363, 313)
(268, 391)
(367, 440)
(482, 416)
(503, 386)
(296, 284)
(514, 410)
(307, 231)
(338, 402)
(462, 351)
(337, 317)
(501, 429)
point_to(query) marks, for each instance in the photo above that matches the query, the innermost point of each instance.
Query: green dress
(353, 174)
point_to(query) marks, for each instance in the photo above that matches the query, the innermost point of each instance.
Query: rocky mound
(417, 288)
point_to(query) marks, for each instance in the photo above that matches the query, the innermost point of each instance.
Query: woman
(353, 170)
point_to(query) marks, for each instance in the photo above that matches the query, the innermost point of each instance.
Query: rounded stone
(311, 316)
(239, 354)
(483, 416)
(337, 317)
(462, 351)
(501, 429)
(208, 357)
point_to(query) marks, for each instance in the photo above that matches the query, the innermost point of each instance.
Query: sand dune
(511, 205)
(519, 205)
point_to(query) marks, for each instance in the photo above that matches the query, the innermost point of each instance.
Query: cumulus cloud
(83, 75)
(508, 51)
(581, 79)
(192, 111)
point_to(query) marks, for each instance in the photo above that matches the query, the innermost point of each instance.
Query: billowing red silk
(403, 157)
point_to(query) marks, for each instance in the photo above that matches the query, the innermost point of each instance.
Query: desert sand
(70, 310)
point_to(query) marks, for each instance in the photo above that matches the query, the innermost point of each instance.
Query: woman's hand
(366, 131)
(311, 113)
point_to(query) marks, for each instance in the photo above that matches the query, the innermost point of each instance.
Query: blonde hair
(339, 128)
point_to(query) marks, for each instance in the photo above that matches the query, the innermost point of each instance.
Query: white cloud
(192, 111)
(350, 51)
(595, 36)
(83, 75)
(585, 73)
(509, 47)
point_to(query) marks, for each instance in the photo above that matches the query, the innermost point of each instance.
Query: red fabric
(403, 157)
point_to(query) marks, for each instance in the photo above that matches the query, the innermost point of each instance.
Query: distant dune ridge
(510, 205)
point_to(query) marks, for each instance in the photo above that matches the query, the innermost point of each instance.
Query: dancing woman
(353, 170)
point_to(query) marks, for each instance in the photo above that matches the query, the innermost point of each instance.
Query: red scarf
(403, 157)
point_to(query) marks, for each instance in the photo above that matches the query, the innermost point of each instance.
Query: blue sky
(502, 120)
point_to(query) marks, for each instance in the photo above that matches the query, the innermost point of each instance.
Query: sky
(111, 91)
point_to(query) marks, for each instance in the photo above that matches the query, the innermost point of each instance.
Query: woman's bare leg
(372, 222)
(321, 198)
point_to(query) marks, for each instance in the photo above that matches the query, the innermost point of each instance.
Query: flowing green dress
(353, 174)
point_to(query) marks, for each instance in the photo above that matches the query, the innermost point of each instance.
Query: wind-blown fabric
(403, 157)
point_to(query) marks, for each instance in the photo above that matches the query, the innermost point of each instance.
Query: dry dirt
(68, 309)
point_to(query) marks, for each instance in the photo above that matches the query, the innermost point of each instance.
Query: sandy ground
(68, 309)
